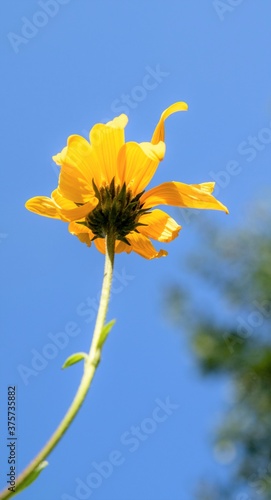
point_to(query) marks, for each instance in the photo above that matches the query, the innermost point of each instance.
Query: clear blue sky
(68, 65)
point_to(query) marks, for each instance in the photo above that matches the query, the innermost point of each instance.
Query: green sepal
(124, 240)
(96, 190)
(75, 358)
(33, 476)
(105, 331)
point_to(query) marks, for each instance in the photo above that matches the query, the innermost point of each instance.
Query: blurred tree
(231, 336)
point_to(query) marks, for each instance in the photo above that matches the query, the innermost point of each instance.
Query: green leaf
(33, 476)
(74, 358)
(105, 331)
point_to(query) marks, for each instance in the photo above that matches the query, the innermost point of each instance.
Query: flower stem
(89, 372)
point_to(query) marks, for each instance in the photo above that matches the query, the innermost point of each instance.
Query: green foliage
(75, 358)
(231, 337)
(105, 331)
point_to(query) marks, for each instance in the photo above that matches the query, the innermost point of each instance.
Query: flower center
(117, 211)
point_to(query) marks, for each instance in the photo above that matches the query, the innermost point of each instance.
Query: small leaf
(105, 331)
(33, 476)
(74, 358)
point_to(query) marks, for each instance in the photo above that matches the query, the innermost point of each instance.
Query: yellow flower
(102, 186)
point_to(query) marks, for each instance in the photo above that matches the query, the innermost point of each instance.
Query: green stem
(89, 372)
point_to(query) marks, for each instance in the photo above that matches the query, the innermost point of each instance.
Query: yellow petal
(62, 202)
(69, 210)
(59, 157)
(78, 167)
(137, 164)
(142, 245)
(139, 244)
(183, 195)
(206, 186)
(159, 133)
(82, 232)
(42, 205)
(160, 226)
(119, 246)
(100, 245)
(81, 155)
(122, 247)
(58, 207)
(107, 139)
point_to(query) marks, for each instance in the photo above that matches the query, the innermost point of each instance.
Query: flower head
(102, 184)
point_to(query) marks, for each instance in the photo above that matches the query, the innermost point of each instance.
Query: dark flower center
(117, 211)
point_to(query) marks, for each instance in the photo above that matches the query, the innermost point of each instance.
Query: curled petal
(60, 157)
(58, 207)
(183, 195)
(142, 245)
(159, 132)
(69, 210)
(159, 226)
(82, 232)
(42, 205)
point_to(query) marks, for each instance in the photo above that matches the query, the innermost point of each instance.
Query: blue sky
(68, 65)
